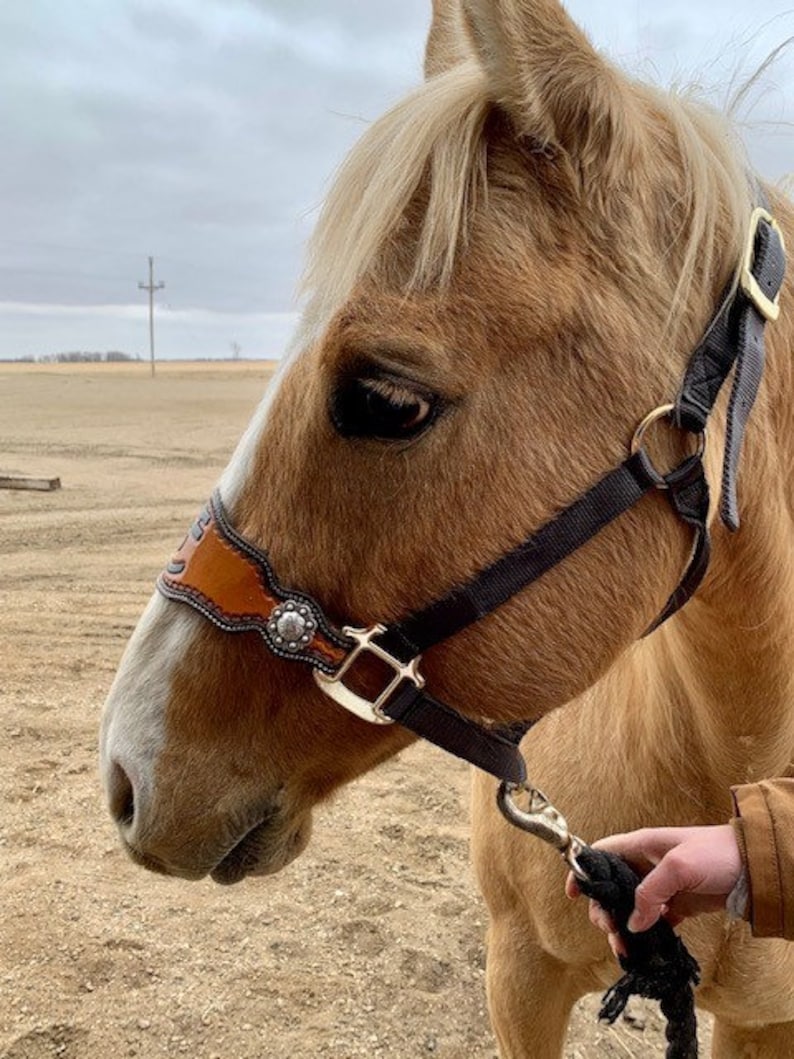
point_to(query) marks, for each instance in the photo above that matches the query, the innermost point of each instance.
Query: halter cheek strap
(231, 582)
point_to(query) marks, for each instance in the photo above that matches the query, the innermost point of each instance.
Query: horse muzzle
(228, 847)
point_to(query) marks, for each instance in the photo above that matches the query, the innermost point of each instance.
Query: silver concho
(291, 625)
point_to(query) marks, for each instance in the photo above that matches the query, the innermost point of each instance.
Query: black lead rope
(658, 965)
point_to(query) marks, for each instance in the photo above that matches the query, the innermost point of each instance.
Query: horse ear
(446, 42)
(556, 88)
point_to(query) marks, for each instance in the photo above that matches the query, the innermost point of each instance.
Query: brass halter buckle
(769, 308)
(351, 700)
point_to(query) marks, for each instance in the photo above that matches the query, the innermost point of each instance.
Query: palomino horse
(513, 268)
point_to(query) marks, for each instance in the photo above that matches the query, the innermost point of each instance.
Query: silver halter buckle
(351, 700)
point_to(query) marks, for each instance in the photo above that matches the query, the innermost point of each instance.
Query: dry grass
(168, 368)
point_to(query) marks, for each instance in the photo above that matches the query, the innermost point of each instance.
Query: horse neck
(726, 659)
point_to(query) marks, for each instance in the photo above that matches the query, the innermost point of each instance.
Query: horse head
(511, 270)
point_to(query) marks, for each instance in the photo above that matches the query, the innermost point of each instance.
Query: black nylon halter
(735, 338)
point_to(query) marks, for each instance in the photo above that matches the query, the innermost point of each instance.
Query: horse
(512, 268)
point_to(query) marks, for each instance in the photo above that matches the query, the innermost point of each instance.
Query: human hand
(686, 871)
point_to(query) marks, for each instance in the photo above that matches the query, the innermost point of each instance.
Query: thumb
(651, 898)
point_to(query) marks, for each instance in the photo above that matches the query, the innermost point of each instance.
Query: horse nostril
(121, 796)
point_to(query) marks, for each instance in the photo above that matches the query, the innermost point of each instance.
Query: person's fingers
(684, 905)
(601, 919)
(643, 849)
(617, 945)
(673, 918)
(672, 875)
(572, 890)
(687, 871)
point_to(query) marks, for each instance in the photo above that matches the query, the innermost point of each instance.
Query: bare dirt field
(371, 944)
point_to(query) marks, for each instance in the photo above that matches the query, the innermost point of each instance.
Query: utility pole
(151, 286)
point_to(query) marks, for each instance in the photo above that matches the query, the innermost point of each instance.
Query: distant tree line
(111, 356)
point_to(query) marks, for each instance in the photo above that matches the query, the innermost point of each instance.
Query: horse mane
(436, 138)
(440, 125)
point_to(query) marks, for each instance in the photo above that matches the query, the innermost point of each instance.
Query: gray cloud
(205, 132)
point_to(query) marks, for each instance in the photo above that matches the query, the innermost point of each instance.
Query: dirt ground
(371, 944)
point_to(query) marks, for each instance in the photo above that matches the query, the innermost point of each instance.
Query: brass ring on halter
(664, 411)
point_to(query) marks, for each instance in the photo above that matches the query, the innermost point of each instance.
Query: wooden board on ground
(42, 485)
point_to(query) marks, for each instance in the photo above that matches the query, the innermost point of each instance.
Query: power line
(151, 287)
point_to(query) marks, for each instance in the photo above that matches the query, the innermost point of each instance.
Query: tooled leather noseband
(231, 582)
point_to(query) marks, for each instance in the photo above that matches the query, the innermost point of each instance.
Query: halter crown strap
(736, 337)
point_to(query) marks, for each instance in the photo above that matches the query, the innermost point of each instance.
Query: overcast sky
(204, 133)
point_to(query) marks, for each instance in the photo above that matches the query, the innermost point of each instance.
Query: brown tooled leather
(230, 587)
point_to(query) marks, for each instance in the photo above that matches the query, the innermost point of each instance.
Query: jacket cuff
(755, 832)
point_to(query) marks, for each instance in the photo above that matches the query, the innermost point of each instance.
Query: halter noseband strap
(231, 582)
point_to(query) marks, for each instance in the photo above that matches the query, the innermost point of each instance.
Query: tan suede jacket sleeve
(764, 826)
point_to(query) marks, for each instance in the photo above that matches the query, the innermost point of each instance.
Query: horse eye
(382, 408)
